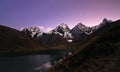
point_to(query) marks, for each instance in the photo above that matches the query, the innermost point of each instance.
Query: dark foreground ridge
(100, 52)
(14, 42)
(33, 41)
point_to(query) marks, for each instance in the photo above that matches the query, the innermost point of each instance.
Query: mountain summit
(33, 32)
(99, 52)
(63, 30)
(77, 34)
(33, 38)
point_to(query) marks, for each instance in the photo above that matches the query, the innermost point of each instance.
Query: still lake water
(32, 63)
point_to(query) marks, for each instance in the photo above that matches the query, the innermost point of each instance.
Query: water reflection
(33, 63)
(44, 67)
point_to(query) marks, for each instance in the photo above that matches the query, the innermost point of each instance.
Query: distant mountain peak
(97, 53)
(106, 20)
(33, 31)
(63, 31)
(80, 24)
(79, 29)
(64, 26)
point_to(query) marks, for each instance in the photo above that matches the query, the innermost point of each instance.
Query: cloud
(48, 29)
(41, 27)
(21, 28)
(45, 29)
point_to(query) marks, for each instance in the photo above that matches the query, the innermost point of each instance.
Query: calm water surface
(32, 63)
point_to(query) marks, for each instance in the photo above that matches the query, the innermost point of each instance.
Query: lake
(31, 63)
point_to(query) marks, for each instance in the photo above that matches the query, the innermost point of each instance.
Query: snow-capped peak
(33, 31)
(106, 20)
(78, 29)
(64, 26)
(62, 30)
(80, 25)
(103, 23)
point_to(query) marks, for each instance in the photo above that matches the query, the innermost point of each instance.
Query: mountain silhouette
(100, 52)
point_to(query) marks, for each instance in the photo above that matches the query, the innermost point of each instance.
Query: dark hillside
(99, 53)
(14, 41)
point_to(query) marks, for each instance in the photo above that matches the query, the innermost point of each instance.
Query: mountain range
(13, 42)
(62, 33)
(99, 52)
(33, 40)
(89, 49)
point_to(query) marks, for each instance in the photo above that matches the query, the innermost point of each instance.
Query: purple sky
(51, 13)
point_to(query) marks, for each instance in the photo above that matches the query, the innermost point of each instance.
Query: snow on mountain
(33, 32)
(63, 30)
(79, 29)
(70, 40)
(104, 22)
(101, 24)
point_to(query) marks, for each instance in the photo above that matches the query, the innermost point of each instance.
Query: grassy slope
(99, 53)
(13, 41)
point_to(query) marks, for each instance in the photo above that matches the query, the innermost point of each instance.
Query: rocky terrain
(13, 41)
(62, 34)
(33, 40)
(100, 52)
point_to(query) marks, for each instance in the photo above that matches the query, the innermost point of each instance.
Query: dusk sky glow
(51, 13)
